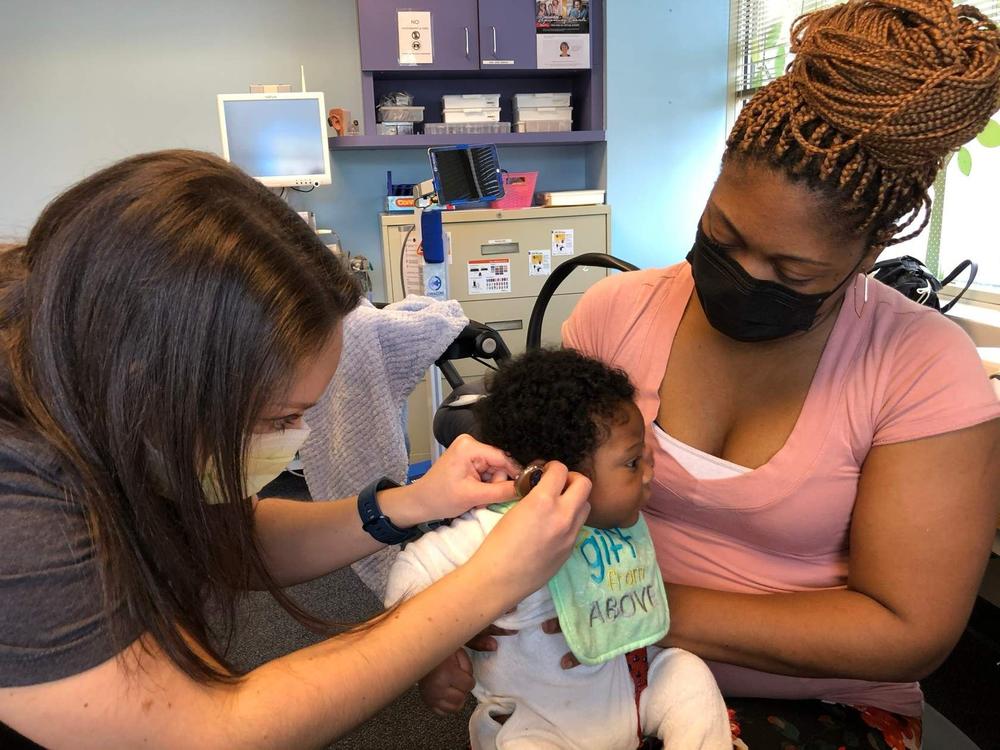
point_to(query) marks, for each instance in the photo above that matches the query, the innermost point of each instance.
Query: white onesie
(549, 707)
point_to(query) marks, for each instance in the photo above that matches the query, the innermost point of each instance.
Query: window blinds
(761, 29)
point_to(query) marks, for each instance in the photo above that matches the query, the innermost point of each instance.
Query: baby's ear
(586, 467)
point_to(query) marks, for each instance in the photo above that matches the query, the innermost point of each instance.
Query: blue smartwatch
(375, 522)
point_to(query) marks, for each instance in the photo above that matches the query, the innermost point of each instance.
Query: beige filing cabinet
(493, 234)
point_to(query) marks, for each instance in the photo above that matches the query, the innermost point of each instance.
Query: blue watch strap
(377, 523)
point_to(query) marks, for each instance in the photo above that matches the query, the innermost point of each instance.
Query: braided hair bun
(879, 93)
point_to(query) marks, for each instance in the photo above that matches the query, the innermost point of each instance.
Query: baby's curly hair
(554, 405)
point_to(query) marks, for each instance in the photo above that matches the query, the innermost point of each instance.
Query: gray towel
(358, 430)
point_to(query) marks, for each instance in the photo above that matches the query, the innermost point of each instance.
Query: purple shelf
(361, 142)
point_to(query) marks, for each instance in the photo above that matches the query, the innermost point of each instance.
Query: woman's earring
(858, 310)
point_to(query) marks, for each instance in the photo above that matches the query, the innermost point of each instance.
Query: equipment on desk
(465, 174)
(572, 198)
(461, 174)
(362, 269)
(280, 139)
(519, 189)
(309, 218)
(398, 197)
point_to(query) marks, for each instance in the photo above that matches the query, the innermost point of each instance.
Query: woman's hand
(536, 536)
(468, 474)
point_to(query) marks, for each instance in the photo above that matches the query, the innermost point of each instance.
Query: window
(965, 220)
(761, 29)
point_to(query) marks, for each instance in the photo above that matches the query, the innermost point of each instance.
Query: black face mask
(743, 307)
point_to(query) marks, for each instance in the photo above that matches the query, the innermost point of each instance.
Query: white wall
(83, 84)
(666, 99)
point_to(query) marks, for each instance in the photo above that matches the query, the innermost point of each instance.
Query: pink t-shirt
(895, 372)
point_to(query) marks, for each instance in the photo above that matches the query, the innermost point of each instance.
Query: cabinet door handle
(494, 40)
(466, 41)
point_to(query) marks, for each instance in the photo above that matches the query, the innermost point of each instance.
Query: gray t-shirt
(52, 618)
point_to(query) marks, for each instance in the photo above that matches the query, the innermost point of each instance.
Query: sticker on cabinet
(539, 262)
(562, 241)
(489, 276)
(415, 44)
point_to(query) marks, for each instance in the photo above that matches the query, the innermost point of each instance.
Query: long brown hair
(877, 96)
(154, 310)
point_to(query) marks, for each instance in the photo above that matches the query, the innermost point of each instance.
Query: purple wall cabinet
(479, 46)
(454, 30)
(507, 35)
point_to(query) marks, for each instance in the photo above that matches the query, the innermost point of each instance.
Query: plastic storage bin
(466, 128)
(519, 190)
(543, 126)
(470, 101)
(523, 114)
(392, 113)
(395, 128)
(542, 100)
(472, 115)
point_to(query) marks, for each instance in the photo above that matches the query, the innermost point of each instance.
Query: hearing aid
(529, 477)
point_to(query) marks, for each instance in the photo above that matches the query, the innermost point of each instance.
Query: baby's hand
(551, 627)
(484, 640)
(446, 688)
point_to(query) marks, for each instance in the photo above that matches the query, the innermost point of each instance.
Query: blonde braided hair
(878, 95)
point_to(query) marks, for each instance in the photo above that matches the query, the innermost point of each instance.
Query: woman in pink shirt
(826, 451)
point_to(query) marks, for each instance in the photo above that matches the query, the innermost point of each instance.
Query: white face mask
(267, 456)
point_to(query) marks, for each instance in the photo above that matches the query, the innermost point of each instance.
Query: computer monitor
(280, 139)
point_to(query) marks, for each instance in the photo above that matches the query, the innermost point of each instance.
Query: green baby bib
(609, 594)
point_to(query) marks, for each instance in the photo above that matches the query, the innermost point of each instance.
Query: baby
(560, 405)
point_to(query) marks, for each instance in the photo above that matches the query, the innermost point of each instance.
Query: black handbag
(913, 279)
